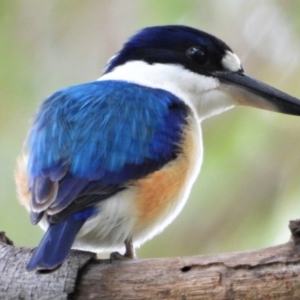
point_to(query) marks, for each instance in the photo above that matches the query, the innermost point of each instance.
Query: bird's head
(197, 67)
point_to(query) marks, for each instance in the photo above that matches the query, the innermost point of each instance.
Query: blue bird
(111, 162)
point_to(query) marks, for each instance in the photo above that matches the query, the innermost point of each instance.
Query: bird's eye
(197, 55)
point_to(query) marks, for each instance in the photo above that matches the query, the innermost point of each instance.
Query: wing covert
(100, 135)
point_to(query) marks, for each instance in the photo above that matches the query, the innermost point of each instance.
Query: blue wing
(89, 140)
(99, 136)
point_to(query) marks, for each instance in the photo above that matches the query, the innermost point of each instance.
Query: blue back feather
(105, 131)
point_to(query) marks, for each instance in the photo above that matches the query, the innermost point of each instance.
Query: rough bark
(270, 273)
(16, 283)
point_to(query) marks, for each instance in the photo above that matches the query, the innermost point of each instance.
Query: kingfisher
(110, 163)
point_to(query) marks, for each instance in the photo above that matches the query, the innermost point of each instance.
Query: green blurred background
(249, 187)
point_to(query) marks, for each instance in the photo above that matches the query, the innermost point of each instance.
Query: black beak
(251, 92)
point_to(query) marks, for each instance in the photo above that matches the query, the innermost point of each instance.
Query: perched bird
(111, 162)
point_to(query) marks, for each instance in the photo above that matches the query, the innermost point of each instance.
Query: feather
(98, 132)
(99, 142)
(57, 242)
(45, 192)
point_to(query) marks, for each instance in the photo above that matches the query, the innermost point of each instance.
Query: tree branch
(270, 273)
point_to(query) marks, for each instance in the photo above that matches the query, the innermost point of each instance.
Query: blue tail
(55, 245)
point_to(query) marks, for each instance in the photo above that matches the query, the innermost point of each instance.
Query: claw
(129, 253)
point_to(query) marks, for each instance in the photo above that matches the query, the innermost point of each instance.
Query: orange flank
(159, 194)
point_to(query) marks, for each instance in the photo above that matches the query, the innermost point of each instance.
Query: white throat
(201, 93)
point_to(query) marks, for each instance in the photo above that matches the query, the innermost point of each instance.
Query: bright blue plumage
(103, 130)
(86, 143)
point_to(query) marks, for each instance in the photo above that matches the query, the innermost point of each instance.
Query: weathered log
(270, 273)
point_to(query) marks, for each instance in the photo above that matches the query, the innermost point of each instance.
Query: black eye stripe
(197, 55)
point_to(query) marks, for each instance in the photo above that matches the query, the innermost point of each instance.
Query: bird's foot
(129, 253)
(118, 256)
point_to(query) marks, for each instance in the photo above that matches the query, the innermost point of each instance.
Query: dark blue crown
(168, 44)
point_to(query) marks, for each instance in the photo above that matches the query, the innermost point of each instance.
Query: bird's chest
(161, 195)
(149, 204)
